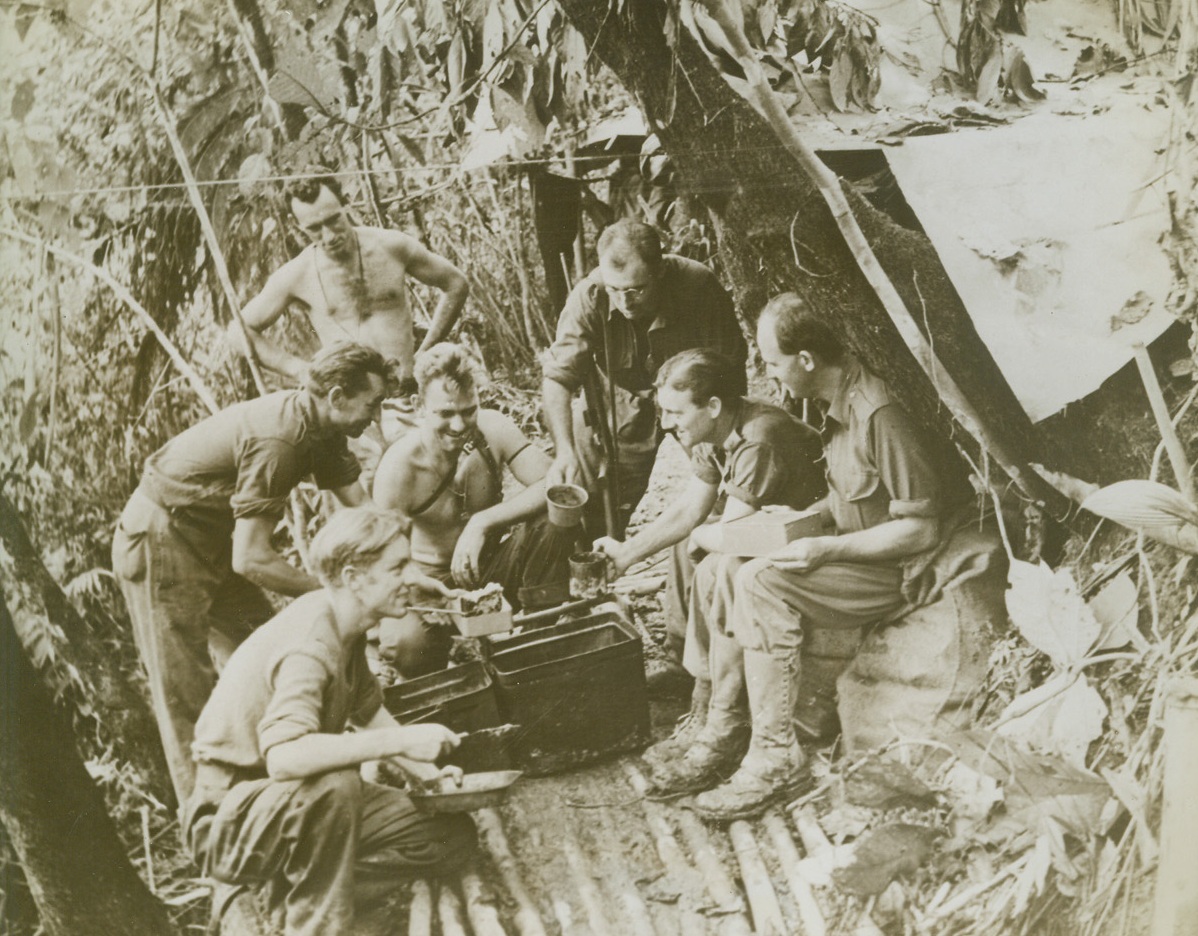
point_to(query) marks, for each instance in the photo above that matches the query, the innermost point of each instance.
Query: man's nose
(458, 423)
(667, 421)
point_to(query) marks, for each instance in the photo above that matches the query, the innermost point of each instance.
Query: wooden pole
(1173, 446)
(770, 106)
(1176, 908)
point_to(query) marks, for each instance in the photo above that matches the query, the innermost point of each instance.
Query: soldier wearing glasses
(631, 314)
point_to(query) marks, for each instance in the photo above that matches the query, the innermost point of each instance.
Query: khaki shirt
(877, 469)
(290, 678)
(769, 458)
(695, 312)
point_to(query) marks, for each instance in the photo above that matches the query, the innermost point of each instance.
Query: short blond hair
(449, 362)
(355, 536)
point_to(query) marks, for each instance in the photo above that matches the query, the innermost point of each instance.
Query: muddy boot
(772, 771)
(712, 758)
(686, 731)
(826, 653)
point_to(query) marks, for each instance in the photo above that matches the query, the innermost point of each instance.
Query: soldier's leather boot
(686, 731)
(826, 653)
(773, 769)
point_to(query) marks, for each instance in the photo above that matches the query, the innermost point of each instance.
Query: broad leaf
(1063, 716)
(1049, 613)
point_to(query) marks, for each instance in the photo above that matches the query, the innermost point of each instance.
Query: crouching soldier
(279, 802)
(448, 478)
(755, 455)
(884, 502)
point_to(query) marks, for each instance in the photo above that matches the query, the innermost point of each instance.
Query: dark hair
(705, 373)
(345, 365)
(796, 328)
(629, 240)
(449, 362)
(307, 189)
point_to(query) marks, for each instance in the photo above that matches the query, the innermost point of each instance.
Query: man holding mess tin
(758, 456)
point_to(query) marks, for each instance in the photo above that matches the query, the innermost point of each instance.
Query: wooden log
(584, 883)
(1176, 904)
(449, 912)
(420, 912)
(671, 855)
(727, 897)
(810, 914)
(480, 906)
(763, 901)
(528, 917)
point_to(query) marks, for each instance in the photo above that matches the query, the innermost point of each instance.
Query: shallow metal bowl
(477, 790)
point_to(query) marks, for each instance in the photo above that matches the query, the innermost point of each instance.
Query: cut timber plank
(729, 902)
(584, 883)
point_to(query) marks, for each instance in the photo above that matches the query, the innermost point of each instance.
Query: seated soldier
(448, 478)
(279, 802)
(884, 502)
(757, 455)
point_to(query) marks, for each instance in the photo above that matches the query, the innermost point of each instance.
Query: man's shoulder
(868, 393)
(390, 239)
(284, 416)
(689, 272)
(763, 421)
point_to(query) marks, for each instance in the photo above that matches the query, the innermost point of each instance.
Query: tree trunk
(125, 723)
(776, 234)
(73, 859)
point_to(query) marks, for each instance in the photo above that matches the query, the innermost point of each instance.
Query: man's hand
(806, 554)
(564, 470)
(465, 563)
(427, 742)
(617, 556)
(431, 585)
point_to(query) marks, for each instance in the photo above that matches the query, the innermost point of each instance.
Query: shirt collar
(736, 437)
(838, 408)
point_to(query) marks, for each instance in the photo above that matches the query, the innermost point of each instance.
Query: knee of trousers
(761, 619)
(330, 801)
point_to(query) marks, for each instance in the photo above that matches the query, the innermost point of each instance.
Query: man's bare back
(352, 283)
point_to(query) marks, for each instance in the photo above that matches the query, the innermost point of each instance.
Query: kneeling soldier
(279, 802)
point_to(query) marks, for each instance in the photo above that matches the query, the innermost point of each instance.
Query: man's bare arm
(555, 400)
(318, 753)
(436, 271)
(263, 311)
(255, 558)
(683, 515)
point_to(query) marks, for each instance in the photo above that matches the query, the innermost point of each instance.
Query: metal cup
(588, 574)
(565, 504)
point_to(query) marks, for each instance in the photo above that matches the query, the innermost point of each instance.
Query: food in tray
(485, 600)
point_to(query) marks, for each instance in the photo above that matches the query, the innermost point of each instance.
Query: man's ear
(715, 406)
(806, 361)
(337, 398)
(350, 577)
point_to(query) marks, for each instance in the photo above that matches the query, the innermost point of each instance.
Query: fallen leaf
(883, 854)
(1066, 724)
(1116, 607)
(1049, 612)
(886, 784)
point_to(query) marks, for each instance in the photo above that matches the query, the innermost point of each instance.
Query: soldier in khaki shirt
(884, 506)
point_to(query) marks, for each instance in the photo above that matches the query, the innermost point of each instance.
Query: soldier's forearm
(446, 315)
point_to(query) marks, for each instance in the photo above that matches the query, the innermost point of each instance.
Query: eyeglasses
(629, 292)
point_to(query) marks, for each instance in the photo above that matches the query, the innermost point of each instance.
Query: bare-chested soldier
(447, 476)
(351, 282)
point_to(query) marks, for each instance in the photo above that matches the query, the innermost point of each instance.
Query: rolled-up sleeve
(569, 357)
(298, 684)
(904, 466)
(705, 464)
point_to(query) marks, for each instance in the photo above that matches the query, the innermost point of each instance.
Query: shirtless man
(351, 281)
(447, 476)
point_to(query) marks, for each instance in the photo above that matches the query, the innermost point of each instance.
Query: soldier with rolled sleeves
(883, 506)
(193, 551)
(279, 803)
(631, 314)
